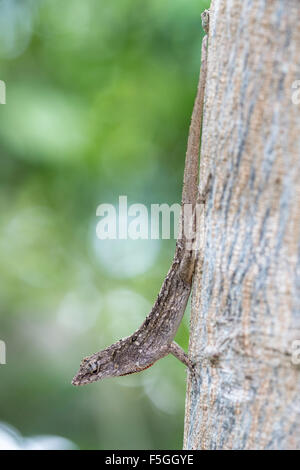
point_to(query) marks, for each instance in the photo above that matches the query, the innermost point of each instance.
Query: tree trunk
(245, 325)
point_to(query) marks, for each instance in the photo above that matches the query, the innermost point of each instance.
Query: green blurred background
(98, 104)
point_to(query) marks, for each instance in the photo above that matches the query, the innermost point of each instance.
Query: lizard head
(116, 360)
(96, 367)
(110, 362)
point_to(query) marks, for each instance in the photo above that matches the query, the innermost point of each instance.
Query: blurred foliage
(99, 98)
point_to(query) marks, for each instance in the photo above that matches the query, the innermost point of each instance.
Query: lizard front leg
(178, 352)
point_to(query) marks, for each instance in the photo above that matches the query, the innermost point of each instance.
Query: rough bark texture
(245, 307)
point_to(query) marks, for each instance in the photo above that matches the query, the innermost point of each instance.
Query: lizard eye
(94, 367)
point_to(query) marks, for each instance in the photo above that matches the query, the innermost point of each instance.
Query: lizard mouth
(77, 381)
(82, 379)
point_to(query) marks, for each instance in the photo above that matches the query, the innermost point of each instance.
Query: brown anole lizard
(155, 337)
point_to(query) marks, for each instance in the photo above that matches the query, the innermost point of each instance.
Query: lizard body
(155, 337)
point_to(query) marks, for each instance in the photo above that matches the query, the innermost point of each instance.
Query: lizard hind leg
(178, 352)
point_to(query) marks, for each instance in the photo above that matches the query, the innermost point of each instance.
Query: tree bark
(246, 302)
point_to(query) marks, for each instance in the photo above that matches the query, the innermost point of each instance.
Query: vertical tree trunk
(245, 309)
